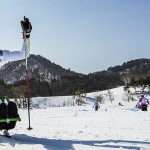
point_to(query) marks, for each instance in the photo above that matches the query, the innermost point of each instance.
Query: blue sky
(83, 35)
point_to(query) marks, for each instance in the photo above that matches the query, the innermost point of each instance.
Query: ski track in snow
(81, 128)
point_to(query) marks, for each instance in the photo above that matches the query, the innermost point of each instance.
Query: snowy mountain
(113, 126)
(38, 67)
(137, 66)
(44, 70)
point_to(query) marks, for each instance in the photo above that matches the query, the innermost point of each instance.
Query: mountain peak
(38, 67)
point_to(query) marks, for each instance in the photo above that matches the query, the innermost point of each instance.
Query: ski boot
(6, 134)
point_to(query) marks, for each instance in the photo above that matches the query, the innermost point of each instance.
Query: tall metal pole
(29, 128)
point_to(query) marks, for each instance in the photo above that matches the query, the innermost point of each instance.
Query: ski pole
(29, 128)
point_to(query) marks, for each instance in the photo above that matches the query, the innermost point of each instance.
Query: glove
(26, 25)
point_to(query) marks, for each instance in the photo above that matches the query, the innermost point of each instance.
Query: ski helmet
(142, 95)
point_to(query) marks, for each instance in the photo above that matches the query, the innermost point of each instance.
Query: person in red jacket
(143, 102)
(19, 105)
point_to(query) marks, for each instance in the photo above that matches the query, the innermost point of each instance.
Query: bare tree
(78, 97)
(64, 104)
(49, 103)
(16, 101)
(110, 95)
(138, 96)
(99, 97)
(127, 95)
(126, 77)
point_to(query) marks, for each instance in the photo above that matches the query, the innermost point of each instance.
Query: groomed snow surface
(80, 127)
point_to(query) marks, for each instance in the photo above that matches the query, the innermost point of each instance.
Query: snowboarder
(96, 105)
(6, 56)
(143, 102)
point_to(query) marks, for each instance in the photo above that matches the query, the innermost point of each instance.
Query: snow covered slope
(80, 127)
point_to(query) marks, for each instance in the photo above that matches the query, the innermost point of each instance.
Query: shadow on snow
(68, 144)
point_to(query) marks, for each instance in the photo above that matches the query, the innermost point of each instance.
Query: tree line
(65, 85)
(68, 85)
(136, 66)
(141, 83)
(19, 89)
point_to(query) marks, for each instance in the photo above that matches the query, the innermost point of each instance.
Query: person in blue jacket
(96, 105)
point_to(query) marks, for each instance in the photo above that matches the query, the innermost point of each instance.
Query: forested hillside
(47, 78)
(38, 67)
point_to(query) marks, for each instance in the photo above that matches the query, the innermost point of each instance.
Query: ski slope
(80, 127)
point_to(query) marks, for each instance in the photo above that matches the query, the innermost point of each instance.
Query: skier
(96, 105)
(143, 102)
(120, 104)
(6, 56)
(19, 105)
